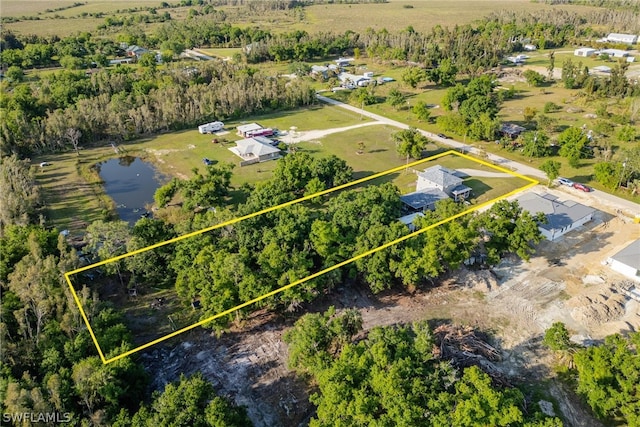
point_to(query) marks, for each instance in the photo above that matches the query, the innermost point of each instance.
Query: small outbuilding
(627, 261)
(246, 130)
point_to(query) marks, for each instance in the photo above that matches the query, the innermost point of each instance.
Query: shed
(529, 47)
(245, 130)
(627, 261)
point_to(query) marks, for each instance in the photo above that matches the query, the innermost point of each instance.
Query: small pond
(131, 183)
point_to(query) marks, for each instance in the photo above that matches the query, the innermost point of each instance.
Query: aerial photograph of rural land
(290, 213)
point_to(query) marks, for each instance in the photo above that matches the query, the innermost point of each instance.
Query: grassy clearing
(73, 192)
(39, 7)
(221, 52)
(30, 7)
(54, 27)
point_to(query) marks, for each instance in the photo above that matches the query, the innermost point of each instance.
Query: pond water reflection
(131, 183)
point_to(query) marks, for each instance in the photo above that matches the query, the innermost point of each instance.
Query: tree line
(49, 363)
(120, 104)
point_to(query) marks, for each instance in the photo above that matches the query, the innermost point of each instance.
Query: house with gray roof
(627, 261)
(434, 184)
(252, 150)
(562, 216)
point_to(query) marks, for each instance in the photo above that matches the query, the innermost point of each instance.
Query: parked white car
(565, 181)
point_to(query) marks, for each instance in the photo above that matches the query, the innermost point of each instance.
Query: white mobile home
(211, 127)
(622, 38)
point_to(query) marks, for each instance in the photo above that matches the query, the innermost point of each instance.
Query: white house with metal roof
(562, 216)
(622, 38)
(253, 150)
(627, 261)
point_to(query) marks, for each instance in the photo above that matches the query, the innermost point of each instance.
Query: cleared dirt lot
(516, 301)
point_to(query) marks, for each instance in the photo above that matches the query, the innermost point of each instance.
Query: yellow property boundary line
(532, 182)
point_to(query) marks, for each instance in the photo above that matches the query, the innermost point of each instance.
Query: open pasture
(420, 14)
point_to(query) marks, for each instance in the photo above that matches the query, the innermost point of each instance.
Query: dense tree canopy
(608, 377)
(393, 378)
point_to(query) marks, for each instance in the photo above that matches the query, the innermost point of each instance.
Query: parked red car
(581, 187)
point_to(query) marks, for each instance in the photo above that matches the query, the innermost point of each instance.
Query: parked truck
(211, 127)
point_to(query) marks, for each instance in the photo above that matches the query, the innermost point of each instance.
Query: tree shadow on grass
(479, 188)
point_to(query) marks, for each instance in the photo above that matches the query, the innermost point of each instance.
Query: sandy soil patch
(293, 137)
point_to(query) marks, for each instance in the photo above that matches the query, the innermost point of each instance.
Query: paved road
(630, 208)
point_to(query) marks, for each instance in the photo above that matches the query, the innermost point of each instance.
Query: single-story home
(511, 130)
(253, 150)
(434, 184)
(136, 51)
(348, 79)
(246, 130)
(585, 52)
(622, 38)
(627, 261)
(562, 216)
(615, 53)
(319, 70)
